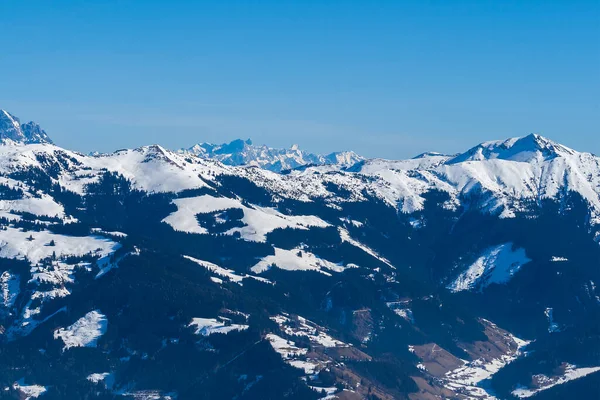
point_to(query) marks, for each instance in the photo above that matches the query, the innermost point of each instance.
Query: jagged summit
(243, 152)
(524, 149)
(12, 131)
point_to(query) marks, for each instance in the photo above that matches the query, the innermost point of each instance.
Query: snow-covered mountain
(243, 152)
(502, 177)
(12, 131)
(505, 176)
(150, 273)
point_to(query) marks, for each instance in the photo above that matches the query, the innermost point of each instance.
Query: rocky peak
(13, 132)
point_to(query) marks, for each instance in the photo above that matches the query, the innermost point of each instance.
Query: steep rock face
(12, 131)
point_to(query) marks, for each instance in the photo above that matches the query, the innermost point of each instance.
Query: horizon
(292, 146)
(384, 80)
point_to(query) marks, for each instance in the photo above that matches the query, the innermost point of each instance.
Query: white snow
(405, 313)
(558, 259)
(258, 220)
(15, 243)
(111, 233)
(241, 152)
(84, 332)
(43, 206)
(296, 260)
(10, 288)
(496, 265)
(356, 224)
(106, 377)
(543, 382)
(48, 266)
(287, 348)
(149, 168)
(308, 366)
(29, 391)
(296, 356)
(224, 272)
(209, 326)
(511, 173)
(467, 377)
(507, 176)
(345, 236)
(303, 327)
(329, 391)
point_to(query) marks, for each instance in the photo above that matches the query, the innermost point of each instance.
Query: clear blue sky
(389, 79)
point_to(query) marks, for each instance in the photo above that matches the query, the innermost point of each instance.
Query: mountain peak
(12, 131)
(525, 149)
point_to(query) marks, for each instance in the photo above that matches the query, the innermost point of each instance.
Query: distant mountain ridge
(244, 152)
(506, 176)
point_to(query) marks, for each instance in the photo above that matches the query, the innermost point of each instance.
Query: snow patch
(405, 313)
(106, 377)
(10, 288)
(209, 326)
(224, 272)
(497, 265)
(259, 221)
(296, 260)
(84, 332)
(345, 236)
(467, 377)
(303, 327)
(543, 382)
(286, 348)
(558, 259)
(29, 391)
(36, 246)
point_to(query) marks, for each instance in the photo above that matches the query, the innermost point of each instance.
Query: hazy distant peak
(243, 152)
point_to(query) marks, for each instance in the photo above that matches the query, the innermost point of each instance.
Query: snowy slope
(542, 382)
(84, 332)
(511, 174)
(296, 260)
(258, 221)
(496, 265)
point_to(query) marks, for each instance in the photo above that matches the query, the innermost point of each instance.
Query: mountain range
(238, 271)
(243, 152)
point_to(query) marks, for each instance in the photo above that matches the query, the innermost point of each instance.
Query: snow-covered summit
(511, 174)
(523, 149)
(244, 152)
(13, 131)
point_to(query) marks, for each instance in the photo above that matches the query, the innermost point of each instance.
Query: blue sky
(384, 78)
